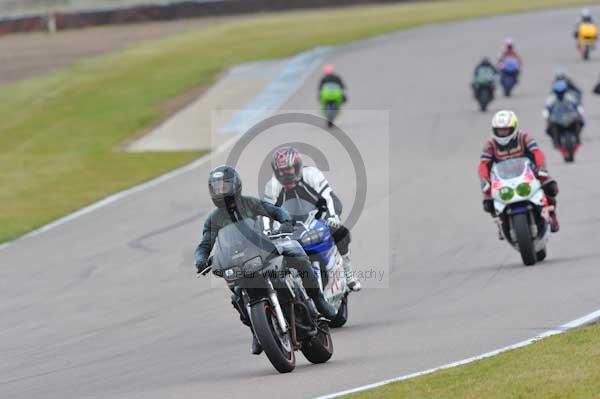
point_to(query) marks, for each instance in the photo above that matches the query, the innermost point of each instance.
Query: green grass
(560, 367)
(60, 134)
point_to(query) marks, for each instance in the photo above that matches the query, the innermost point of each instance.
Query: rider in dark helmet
(484, 68)
(225, 188)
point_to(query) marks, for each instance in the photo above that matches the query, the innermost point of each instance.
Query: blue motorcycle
(509, 75)
(327, 263)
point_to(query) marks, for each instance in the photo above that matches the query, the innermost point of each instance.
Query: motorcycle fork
(293, 335)
(276, 306)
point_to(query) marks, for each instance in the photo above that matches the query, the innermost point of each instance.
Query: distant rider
(484, 68)
(294, 180)
(561, 95)
(507, 52)
(225, 188)
(571, 86)
(329, 76)
(508, 142)
(584, 18)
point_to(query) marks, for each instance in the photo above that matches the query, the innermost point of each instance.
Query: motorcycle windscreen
(298, 209)
(510, 64)
(239, 242)
(511, 168)
(331, 92)
(485, 75)
(564, 114)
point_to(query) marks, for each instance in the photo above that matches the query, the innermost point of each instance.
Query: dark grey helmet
(224, 186)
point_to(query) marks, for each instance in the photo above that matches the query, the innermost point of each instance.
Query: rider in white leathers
(294, 180)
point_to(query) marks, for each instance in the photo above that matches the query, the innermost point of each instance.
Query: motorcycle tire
(263, 321)
(541, 255)
(342, 315)
(319, 348)
(524, 240)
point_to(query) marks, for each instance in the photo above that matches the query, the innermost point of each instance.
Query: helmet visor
(221, 187)
(287, 175)
(503, 131)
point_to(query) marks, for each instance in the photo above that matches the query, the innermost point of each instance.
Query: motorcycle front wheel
(524, 240)
(276, 344)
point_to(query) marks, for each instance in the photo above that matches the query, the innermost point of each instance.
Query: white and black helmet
(505, 120)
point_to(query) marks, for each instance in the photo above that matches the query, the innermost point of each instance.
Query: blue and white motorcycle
(316, 239)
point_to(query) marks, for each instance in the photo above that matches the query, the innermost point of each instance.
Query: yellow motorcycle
(587, 35)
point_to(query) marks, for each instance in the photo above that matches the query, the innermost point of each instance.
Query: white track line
(589, 318)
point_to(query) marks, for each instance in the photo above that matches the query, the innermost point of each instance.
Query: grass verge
(562, 366)
(60, 134)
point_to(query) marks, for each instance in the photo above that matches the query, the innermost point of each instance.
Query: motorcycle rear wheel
(342, 315)
(541, 255)
(319, 349)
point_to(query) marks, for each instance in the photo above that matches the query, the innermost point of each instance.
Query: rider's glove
(201, 266)
(486, 187)
(542, 173)
(286, 228)
(333, 221)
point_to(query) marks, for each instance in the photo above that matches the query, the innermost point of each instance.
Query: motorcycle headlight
(231, 274)
(506, 193)
(253, 265)
(524, 190)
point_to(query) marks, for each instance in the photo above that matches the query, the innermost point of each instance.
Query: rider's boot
(324, 307)
(353, 283)
(238, 304)
(554, 225)
(500, 231)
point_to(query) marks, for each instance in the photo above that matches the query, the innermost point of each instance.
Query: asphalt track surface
(108, 306)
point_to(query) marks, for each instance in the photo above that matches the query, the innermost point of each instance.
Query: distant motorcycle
(484, 87)
(327, 263)
(522, 208)
(332, 98)
(509, 73)
(586, 39)
(283, 317)
(564, 126)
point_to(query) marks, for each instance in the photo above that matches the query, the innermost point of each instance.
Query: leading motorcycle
(522, 209)
(283, 317)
